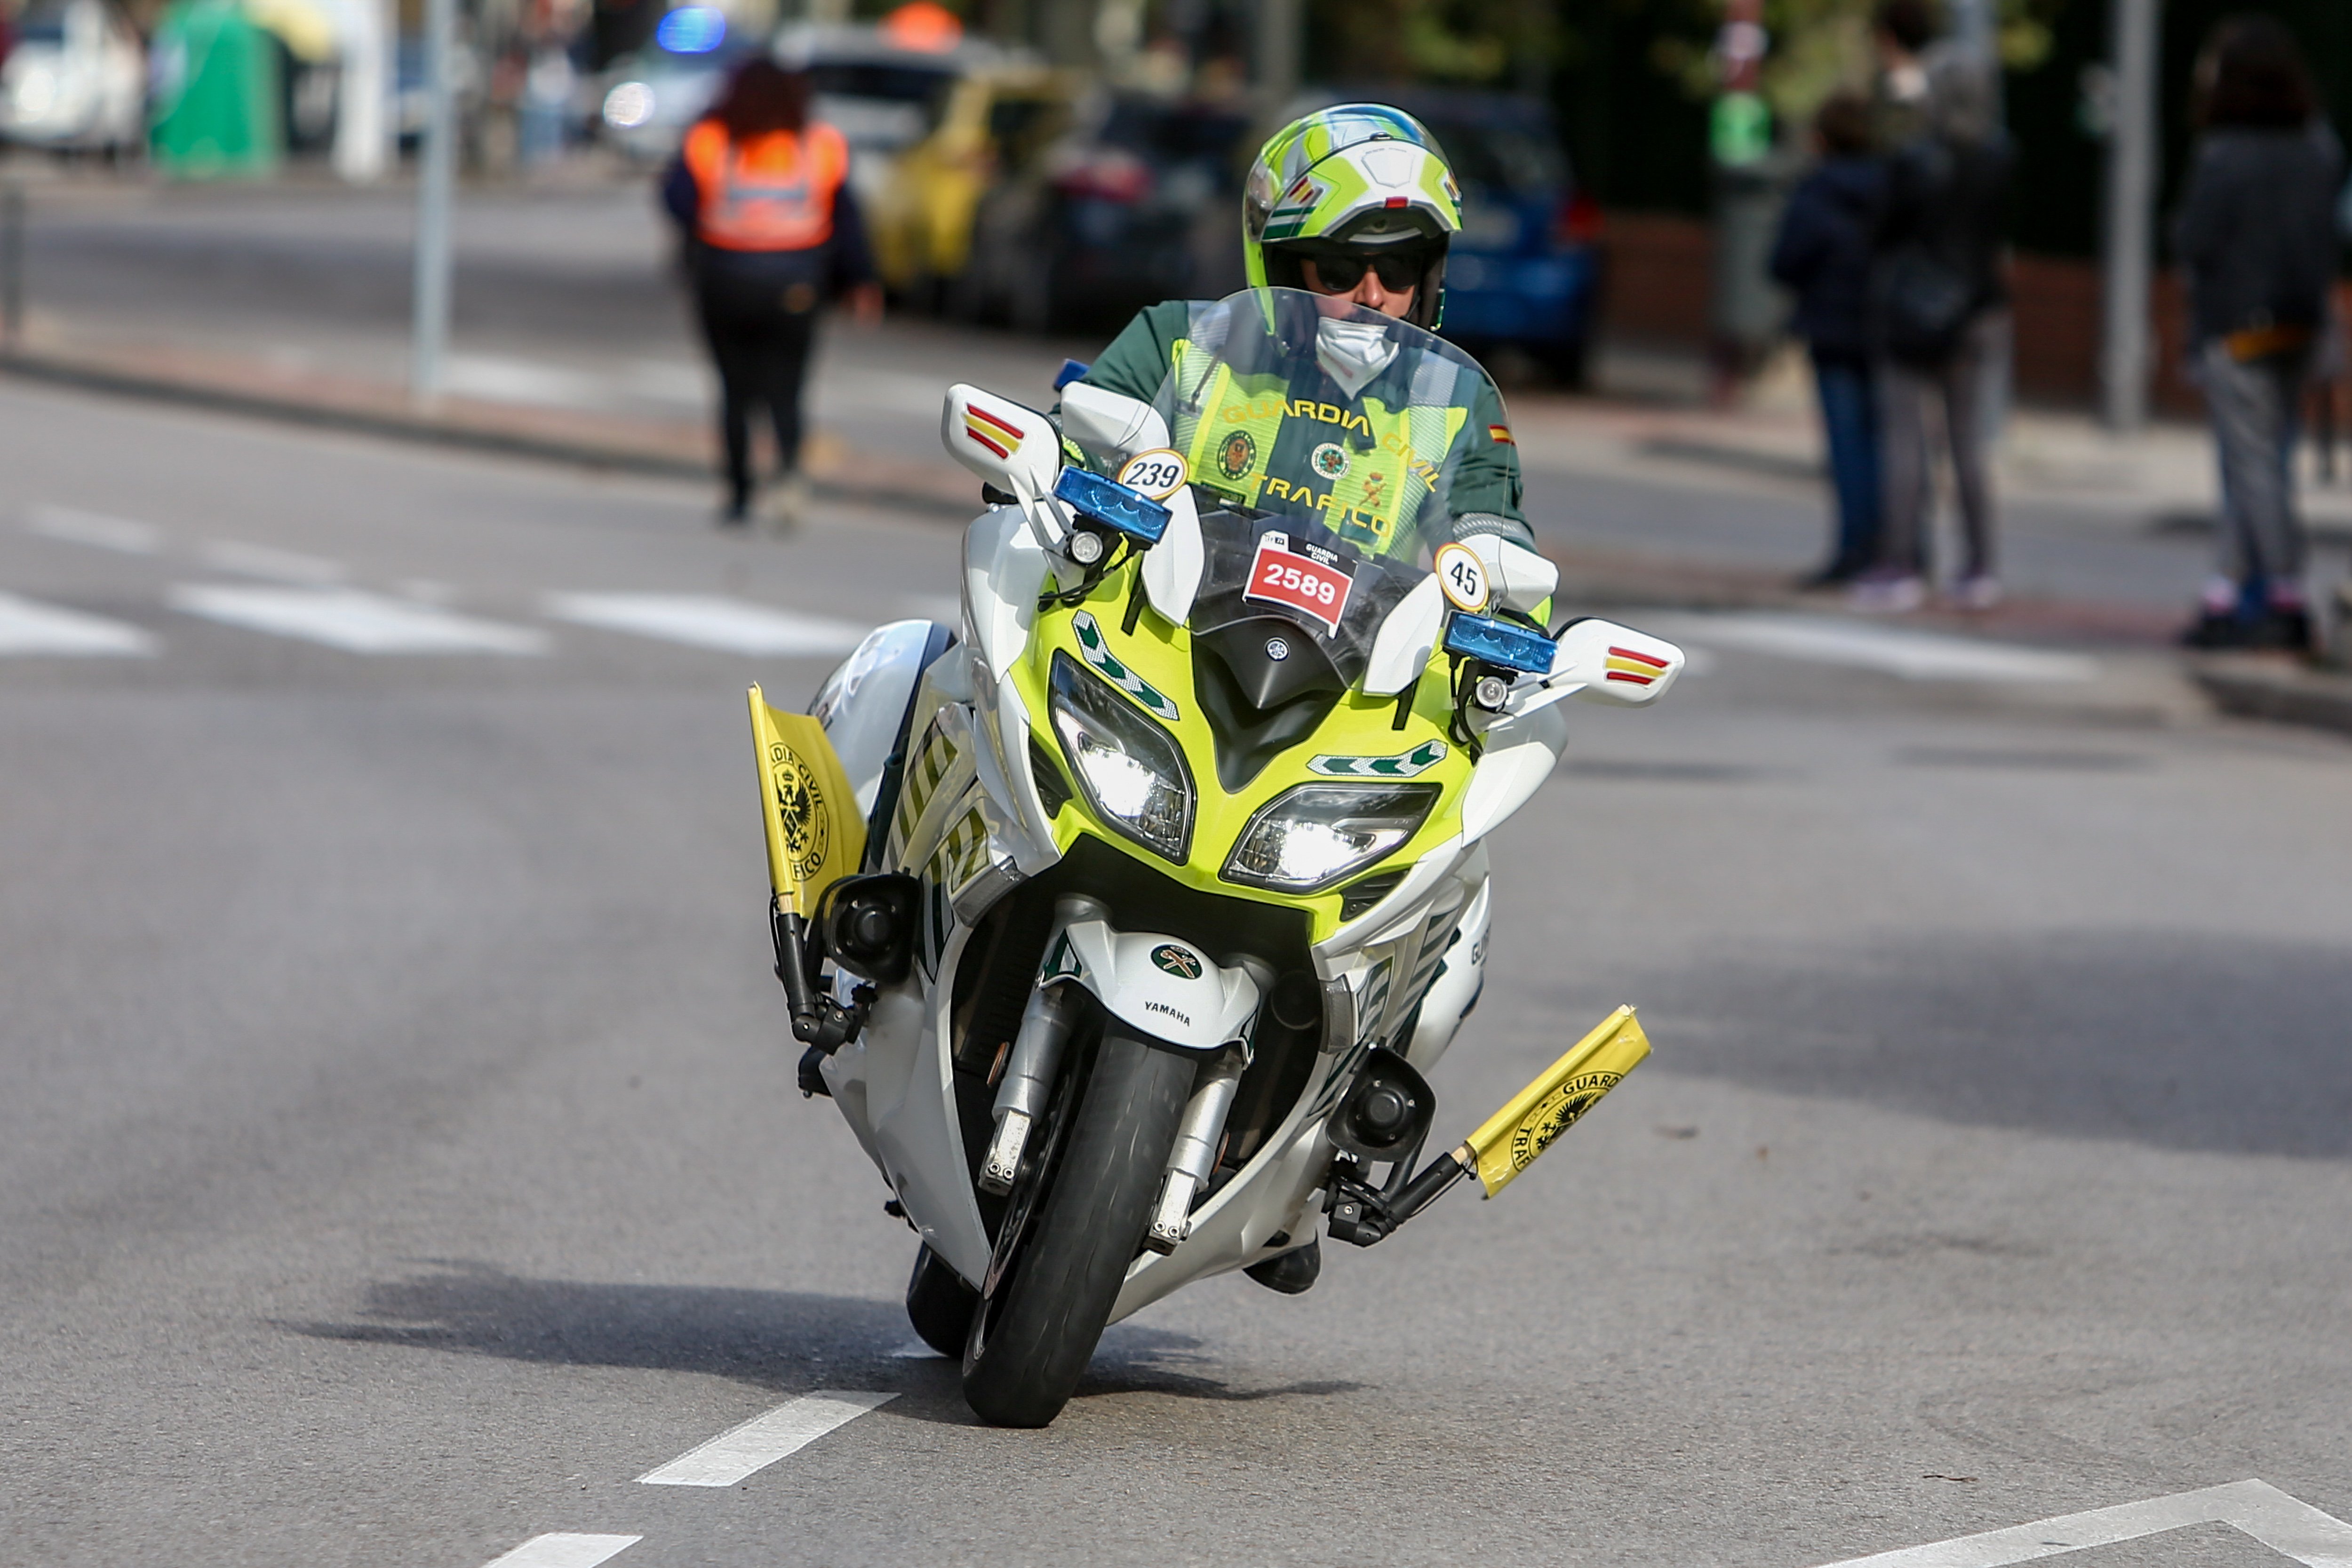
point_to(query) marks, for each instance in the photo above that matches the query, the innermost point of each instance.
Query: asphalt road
(400, 1155)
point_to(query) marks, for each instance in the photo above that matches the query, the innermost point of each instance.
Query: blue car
(1525, 268)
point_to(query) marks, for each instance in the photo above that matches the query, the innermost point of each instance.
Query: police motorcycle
(1123, 919)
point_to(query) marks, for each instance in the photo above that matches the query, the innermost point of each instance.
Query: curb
(2260, 688)
(424, 429)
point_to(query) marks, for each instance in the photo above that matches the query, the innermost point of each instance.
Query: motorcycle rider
(1354, 204)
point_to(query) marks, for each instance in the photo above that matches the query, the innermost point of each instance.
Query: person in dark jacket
(2256, 234)
(1939, 301)
(1822, 255)
(772, 233)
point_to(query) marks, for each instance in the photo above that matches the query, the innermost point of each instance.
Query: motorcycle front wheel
(1064, 1248)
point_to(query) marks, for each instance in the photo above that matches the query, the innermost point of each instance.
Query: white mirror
(1011, 448)
(1607, 663)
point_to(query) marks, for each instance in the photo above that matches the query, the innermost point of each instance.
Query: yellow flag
(1514, 1135)
(815, 833)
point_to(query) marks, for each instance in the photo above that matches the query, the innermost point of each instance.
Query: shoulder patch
(1500, 434)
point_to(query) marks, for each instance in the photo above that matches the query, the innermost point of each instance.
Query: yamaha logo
(1181, 962)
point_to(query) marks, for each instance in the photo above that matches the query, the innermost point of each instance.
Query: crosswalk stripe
(709, 621)
(269, 561)
(564, 1550)
(352, 620)
(762, 1440)
(1911, 654)
(28, 626)
(77, 526)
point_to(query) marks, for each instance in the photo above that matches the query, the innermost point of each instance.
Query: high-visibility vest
(773, 193)
(1363, 468)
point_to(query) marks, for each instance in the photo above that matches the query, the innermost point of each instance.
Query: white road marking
(272, 564)
(77, 526)
(764, 1439)
(2283, 1523)
(708, 620)
(565, 1551)
(354, 620)
(28, 626)
(1898, 651)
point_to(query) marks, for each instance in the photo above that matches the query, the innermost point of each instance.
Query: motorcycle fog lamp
(1131, 769)
(1309, 837)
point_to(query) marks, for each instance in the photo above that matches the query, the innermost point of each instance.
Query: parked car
(76, 79)
(1140, 202)
(1525, 268)
(995, 120)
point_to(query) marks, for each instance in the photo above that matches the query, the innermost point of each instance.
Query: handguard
(1505, 1143)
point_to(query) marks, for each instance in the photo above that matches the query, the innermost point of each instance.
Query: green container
(217, 94)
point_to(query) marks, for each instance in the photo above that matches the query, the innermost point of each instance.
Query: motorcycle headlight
(1131, 769)
(1308, 838)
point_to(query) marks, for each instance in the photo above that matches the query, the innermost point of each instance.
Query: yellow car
(993, 121)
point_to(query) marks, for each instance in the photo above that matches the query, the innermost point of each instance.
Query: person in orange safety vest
(773, 234)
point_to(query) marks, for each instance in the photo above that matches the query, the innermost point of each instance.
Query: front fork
(1035, 1060)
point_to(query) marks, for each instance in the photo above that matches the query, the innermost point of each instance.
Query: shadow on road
(2172, 1040)
(787, 1340)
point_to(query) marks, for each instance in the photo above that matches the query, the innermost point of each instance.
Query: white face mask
(1352, 353)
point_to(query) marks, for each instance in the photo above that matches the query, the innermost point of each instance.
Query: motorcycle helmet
(1353, 180)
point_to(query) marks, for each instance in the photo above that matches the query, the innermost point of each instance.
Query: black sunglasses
(1340, 271)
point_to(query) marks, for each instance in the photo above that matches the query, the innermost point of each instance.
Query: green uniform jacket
(1485, 493)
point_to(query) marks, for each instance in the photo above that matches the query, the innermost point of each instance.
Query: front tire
(1050, 1298)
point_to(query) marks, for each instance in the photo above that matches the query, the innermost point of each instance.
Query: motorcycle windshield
(1322, 440)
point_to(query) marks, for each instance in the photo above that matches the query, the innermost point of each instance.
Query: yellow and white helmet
(1358, 177)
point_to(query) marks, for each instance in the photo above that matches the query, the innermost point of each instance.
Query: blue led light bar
(1499, 643)
(692, 30)
(1109, 501)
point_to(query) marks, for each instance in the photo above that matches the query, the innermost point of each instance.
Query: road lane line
(2285, 1524)
(764, 1439)
(75, 526)
(352, 621)
(28, 626)
(565, 1551)
(270, 562)
(1898, 651)
(709, 621)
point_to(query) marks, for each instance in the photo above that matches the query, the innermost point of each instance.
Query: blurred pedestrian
(773, 234)
(1822, 255)
(1900, 33)
(2256, 232)
(1939, 301)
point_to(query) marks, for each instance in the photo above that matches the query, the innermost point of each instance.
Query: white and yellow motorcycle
(1123, 918)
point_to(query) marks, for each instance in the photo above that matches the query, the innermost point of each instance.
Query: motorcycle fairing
(1167, 987)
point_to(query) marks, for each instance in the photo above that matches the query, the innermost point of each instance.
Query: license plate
(1280, 576)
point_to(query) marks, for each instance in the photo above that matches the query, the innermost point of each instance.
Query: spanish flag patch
(1500, 434)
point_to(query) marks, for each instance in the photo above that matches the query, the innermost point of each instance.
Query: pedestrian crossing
(361, 621)
(353, 620)
(291, 595)
(29, 626)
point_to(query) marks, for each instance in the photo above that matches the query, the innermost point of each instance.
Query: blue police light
(1109, 501)
(1499, 643)
(691, 30)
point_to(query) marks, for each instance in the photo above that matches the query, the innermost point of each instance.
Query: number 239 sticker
(1277, 576)
(1158, 474)
(1462, 577)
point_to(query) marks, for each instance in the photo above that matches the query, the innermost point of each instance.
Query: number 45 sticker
(1462, 577)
